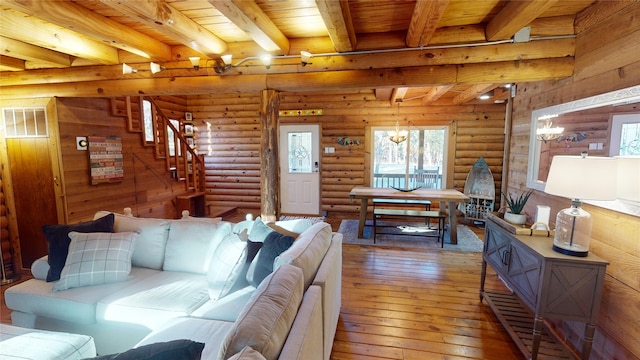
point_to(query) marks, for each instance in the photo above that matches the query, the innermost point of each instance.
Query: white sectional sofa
(191, 279)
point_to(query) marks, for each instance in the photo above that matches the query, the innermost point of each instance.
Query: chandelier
(398, 135)
(546, 132)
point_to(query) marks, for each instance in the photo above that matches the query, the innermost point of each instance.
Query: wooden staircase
(167, 137)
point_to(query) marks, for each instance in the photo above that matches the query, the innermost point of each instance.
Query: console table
(549, 284)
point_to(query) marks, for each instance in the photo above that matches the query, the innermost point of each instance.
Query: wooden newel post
(270, 103)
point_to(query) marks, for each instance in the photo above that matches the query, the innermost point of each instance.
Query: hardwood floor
(415, 304)
(410, 304)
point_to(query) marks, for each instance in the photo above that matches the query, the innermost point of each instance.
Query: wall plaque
(105, 159)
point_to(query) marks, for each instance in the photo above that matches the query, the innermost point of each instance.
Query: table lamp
(579, 178)
(628, 177)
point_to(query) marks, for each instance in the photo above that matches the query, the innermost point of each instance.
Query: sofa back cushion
(150, 246)
(266, 320)
(308, 251)
(226, 266)
(191, 244)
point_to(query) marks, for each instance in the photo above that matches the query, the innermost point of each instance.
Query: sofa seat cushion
(22, 343)
(161, 297)
(308, 251)
(210, 332)
(266, 320)
(77, 305)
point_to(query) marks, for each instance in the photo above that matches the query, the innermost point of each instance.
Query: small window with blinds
(25, 122)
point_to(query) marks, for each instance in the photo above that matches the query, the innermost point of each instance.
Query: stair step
(220, 211)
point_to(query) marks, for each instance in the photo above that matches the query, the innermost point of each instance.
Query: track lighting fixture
(221, 65)
(195, 61)
(266, 60)
(305, 56)
(126, 69)
(155, 68)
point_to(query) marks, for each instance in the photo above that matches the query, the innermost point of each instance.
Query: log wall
(599, 69)
(228, 133)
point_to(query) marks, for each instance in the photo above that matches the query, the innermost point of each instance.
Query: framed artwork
(188, 129)
(105, 159)
(188, 116)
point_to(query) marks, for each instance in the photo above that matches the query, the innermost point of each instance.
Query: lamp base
(570, 252)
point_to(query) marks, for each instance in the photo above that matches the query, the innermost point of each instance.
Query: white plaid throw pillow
(97, 258)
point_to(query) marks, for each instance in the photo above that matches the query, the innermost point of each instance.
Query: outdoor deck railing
(398, 181)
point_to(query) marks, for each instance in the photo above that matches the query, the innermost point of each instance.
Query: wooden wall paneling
(147, 188)
(614, 235)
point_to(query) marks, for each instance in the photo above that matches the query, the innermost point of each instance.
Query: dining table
(447, 198)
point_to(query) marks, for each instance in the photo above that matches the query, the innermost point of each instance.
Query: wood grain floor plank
(414, 304)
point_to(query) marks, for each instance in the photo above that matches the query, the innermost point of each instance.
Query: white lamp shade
(227, 59)
(155, 68)
(584, 178)
(126, 69)
(305, 56)
(628, 177)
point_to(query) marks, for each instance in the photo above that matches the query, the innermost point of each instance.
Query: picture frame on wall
(188, 129)
(188, 116)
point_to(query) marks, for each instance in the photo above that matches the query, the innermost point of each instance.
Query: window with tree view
(418, 162)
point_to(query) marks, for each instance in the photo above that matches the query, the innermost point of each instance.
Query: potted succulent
(516, 205)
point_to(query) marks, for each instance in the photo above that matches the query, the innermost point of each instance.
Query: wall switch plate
(81, 143)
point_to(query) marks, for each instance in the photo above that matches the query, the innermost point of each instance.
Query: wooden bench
(383, 201)
(404, 214)
(426, 203)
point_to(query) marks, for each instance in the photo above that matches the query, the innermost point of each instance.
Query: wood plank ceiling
(404, 49)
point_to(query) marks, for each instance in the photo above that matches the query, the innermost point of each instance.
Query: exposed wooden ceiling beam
(170, 22)
(473, 92)
(11, 63)
(435, 93)
(16, 25)
(383, 93)
(424, 21)
(514, 16)
(337, 19)
(81, 20)
(506, 52)
(398, 94)
(248, 16)
(24, 51)
(516, 71)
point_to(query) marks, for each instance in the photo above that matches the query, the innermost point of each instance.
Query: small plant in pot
(516, 205)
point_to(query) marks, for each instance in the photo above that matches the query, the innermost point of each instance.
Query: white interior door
(299, 169)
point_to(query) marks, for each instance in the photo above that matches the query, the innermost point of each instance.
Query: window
(25, 122)
(172, 140)
(625, 135)
(300, 157)
(417, 162)
(147, 122)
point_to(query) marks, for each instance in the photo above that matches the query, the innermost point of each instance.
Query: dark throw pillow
(274, 245)
(252, 249)
(58, 241)
(170, 350)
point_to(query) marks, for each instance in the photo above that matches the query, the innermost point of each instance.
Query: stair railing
(187, 161)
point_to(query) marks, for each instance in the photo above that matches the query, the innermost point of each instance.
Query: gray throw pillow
(274, 245)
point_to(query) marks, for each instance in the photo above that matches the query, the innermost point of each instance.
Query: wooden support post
(269, 177)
